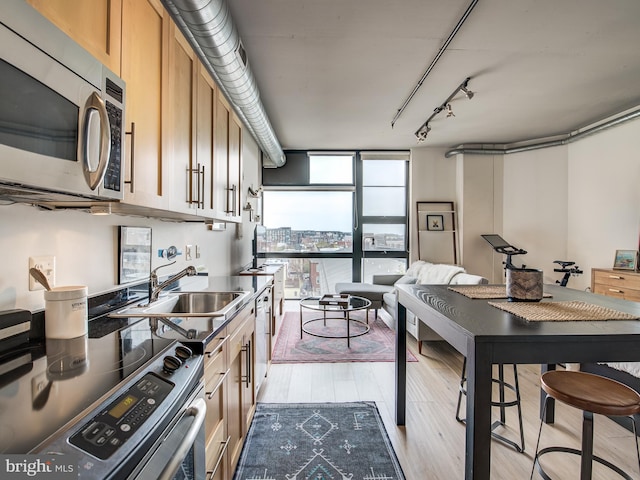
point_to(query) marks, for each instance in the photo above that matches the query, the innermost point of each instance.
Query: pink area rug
(378, 345)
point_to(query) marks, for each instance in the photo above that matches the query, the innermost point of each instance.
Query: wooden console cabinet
(624, 284)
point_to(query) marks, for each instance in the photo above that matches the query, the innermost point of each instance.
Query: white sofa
(383, 294)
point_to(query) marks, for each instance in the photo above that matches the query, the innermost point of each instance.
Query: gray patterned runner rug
(318, 441)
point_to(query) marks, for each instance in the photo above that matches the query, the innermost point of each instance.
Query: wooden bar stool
(502, 403)
(591, 394)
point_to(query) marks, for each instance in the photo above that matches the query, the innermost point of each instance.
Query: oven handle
(197, 409)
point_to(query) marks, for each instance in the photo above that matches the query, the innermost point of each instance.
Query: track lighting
(467, 92)
(422, 132)
(450, 111)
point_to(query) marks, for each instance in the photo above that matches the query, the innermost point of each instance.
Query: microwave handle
(93, 178)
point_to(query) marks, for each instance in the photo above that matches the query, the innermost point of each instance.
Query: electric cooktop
(51, 382)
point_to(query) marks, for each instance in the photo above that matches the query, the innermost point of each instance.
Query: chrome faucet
(155, 288)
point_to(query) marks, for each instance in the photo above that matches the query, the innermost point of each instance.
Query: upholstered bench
(371, 292)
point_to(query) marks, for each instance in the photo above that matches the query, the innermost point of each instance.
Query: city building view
(313, 276)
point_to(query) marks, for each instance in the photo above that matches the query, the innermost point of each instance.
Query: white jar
(65, 312)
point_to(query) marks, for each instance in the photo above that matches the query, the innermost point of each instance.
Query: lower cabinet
(230, 394)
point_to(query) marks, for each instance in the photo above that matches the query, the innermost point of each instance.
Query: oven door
(179, 453)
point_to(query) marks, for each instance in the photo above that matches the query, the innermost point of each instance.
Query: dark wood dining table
(486, 335)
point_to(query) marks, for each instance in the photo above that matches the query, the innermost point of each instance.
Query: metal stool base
(573, 451)
(502, 404)
(586, 454)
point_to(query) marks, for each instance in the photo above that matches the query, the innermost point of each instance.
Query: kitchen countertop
(46, 384)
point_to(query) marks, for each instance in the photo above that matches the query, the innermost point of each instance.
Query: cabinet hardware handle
(232, 205)
(201, 188)
(614, 290)
(190, 173)
(217, 347)
(225, 444)
(247, 349)
(223, 375)
(269, 319)
(616, 277)
(132, 132)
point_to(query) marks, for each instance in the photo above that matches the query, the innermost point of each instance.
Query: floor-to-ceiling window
(335, 217)
(383, 233)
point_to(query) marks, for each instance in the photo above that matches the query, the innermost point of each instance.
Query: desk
(487, 336)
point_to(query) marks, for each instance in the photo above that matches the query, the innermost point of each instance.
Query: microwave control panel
(111, 428)
(114, 168)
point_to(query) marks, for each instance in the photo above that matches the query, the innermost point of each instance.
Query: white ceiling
(333, 73)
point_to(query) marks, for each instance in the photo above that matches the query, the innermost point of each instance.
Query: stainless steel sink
(188, 304)
(203, 302)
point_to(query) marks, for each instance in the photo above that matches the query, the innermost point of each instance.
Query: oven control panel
(106, 432)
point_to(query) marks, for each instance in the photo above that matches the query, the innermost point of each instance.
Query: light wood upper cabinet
(145, 34)
(183, 148)
(227, 160)
(94, 24)
(205, 124)
(180, 127)
(192, 94)
(235, 168)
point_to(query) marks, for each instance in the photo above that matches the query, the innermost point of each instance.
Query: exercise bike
(568, 268)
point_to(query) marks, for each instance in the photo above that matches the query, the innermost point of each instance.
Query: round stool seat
(592, 393)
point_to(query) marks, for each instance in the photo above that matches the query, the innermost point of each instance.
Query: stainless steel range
(123, 401)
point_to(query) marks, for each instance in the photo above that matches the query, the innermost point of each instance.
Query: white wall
(579, 202)
(85, 246)
(603, 197)
(534, 211)
(432, 179)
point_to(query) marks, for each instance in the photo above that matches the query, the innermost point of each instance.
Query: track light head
(467, 92)
(450, 111)
(422, 133)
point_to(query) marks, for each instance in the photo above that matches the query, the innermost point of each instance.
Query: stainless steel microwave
(61, 111)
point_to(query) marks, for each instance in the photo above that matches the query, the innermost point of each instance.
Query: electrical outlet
(197, 251)
(47, 265)
(187, 252)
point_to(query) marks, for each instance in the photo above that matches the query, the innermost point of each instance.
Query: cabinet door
(234, 399)
(184, 176)
(216, 385)
(234, 169)
(249, 376)
(221, 158)
(205, 109)
(241, 391)
(94, 24)
(145, 34)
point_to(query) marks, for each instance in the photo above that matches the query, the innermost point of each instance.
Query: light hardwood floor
(431, 445)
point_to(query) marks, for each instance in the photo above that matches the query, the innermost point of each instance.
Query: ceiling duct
(208, 26)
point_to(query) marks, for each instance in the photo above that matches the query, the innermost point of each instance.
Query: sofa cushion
(468, 279)
(439, 274)
(406, 280)
(415, 268)
(366, 290)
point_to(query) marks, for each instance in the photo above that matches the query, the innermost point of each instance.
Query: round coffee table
(355, 303)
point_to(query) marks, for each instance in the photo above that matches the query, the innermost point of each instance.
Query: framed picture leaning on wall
(435, 222)
(626, 259)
